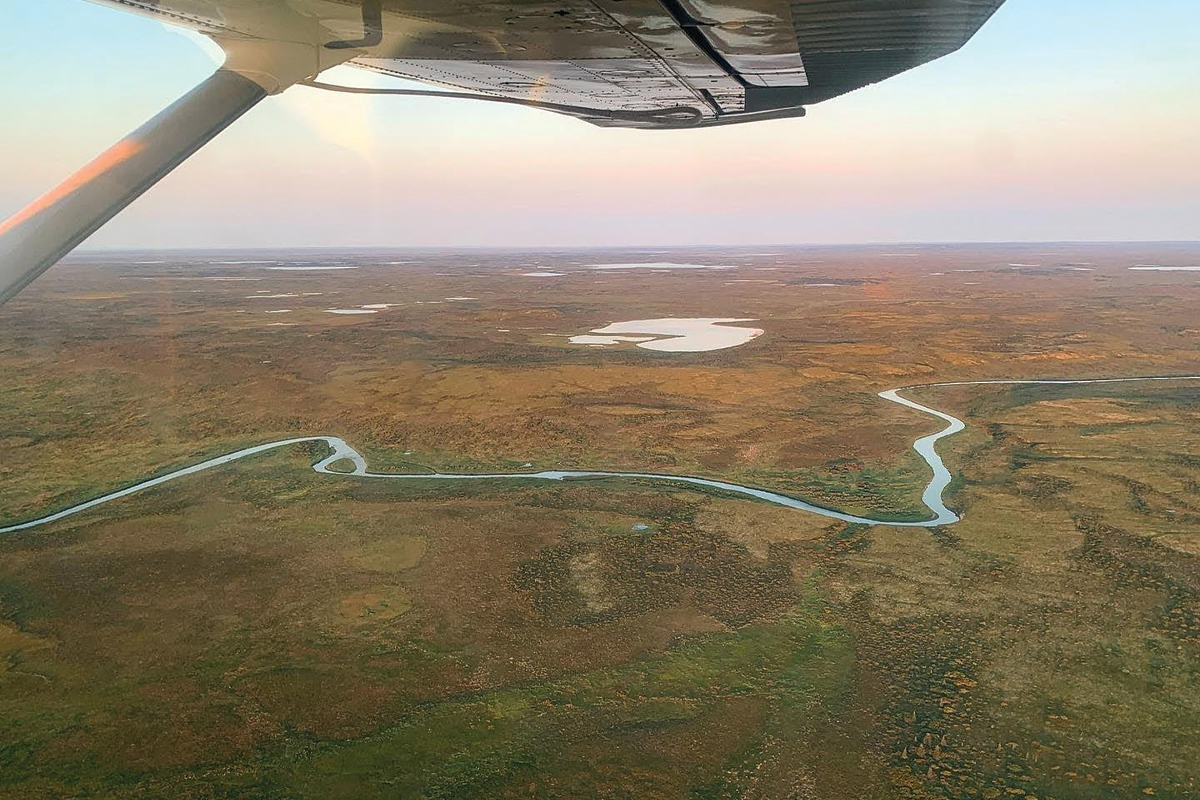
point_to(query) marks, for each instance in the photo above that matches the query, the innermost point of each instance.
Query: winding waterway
(925, 447)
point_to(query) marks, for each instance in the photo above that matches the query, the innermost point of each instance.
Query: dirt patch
(392, 555)
(373, 605)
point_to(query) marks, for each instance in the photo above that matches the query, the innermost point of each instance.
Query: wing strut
(52, 226)
(35, 238)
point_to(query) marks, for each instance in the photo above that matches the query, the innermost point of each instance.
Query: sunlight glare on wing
(340, 120)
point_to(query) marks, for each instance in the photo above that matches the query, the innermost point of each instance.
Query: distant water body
(659, 265)
(673, 334)
(925, 447)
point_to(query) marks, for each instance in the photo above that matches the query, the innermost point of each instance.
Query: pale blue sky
(1062, 119)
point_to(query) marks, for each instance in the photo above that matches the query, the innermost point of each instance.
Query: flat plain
(260, 630)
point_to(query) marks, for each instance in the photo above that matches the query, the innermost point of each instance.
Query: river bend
(925, 447)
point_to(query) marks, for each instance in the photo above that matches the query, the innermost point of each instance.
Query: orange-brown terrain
(260, 630)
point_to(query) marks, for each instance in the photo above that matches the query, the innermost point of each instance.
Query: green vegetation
(261, 631)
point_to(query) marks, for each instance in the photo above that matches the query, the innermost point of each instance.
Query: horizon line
(512, 247)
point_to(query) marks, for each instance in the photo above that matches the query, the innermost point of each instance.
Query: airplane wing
(624, 63)
(731, 60)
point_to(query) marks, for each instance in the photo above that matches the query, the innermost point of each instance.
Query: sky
(1062, 120)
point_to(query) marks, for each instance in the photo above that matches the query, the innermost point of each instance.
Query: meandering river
(925, 447)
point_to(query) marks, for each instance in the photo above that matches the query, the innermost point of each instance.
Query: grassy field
(264, 631)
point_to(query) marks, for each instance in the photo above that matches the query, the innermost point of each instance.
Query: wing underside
(731, 61)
